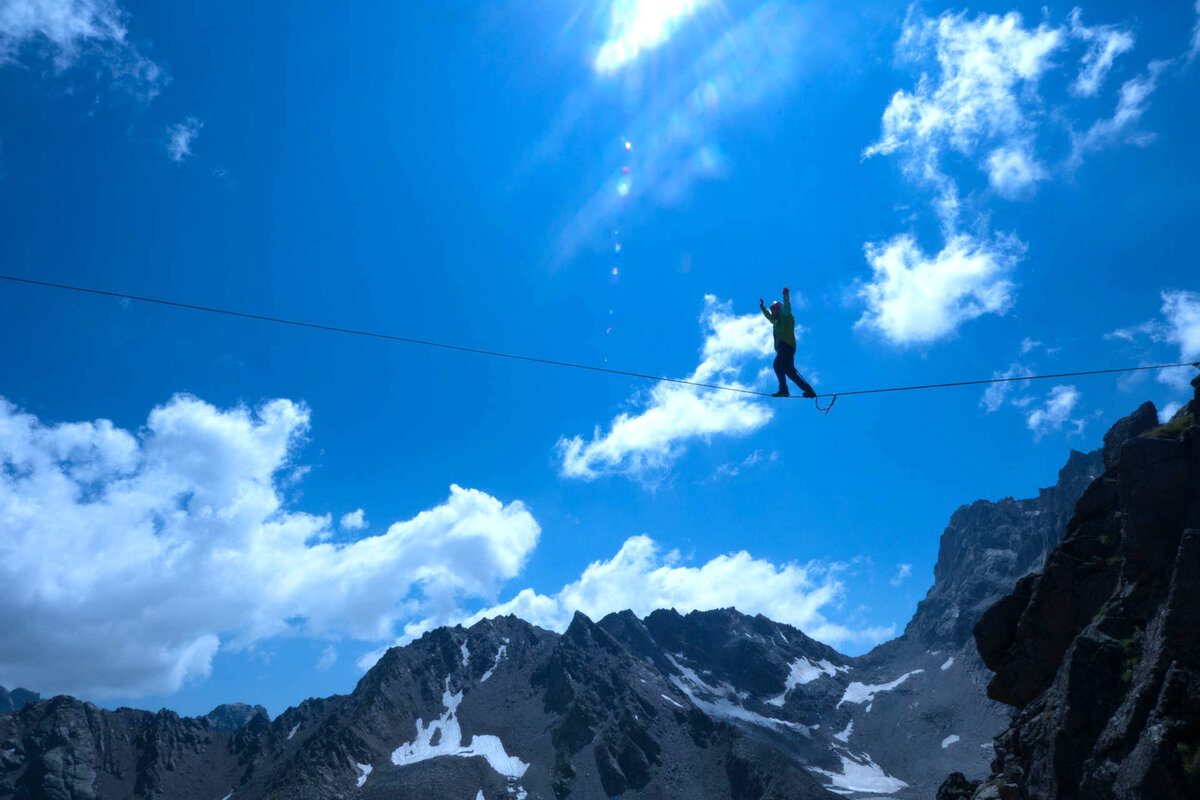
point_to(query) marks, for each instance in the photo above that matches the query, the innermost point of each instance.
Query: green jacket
(784, 324)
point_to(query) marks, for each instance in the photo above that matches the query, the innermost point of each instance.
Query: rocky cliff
(1100, 652)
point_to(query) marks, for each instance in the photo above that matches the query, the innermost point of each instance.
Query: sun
(639, 25)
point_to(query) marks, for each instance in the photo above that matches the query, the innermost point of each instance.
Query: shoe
(809, 393)
(781, 393)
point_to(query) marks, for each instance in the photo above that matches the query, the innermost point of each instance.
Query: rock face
(1100, 653)
(988, 546)
(231, 716)
(711, 705)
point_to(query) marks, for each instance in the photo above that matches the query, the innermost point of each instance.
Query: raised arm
(787, 301)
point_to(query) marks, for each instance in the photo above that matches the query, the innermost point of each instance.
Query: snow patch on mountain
(860, 774)
(363, 771)
(859, 693)
(499, 655)
(719, 701)
(844, 736)
(466, 654)
(449, 742)
(804, 671)
(949, 740)
(949, 663)
(672, 702)
(292, 732)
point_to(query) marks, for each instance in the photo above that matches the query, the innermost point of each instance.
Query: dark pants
(785, 366)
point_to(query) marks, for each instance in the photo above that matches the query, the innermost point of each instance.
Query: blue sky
(952, 193)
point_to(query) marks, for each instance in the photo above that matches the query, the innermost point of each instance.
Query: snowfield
(449, 742)
(860, 776)
(865, 693)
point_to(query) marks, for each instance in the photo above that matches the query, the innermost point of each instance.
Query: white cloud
(1028, 344)
(1131, 105)
(642, 578)
(1182, 312)
(329, 657)
(1055, 413)
(1179, 325)
(643, 445)
(913, 298)
(354, 521)
(72, 31)
(985, 98)
(180, 137)
(129, 559)
(987, 69)
(996, 393)
(1105, 43)
(903, 572)
(1013, 171)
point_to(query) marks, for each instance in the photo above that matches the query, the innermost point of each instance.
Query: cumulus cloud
(644, 444)
(73, 31)
(1055, 413)
(129, 558)
(985, 100)
(180, 137)
(642, 578)
(354, 521)
(914, 298)
(987, 68)
(978, 99)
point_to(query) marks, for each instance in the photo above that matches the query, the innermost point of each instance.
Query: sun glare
(639, 25)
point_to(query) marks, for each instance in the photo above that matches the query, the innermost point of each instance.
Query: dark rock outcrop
(957, 787)
(1100, 653)
(231, 716)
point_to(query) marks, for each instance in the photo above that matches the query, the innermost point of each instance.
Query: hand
(760, 303)
(785, 290)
